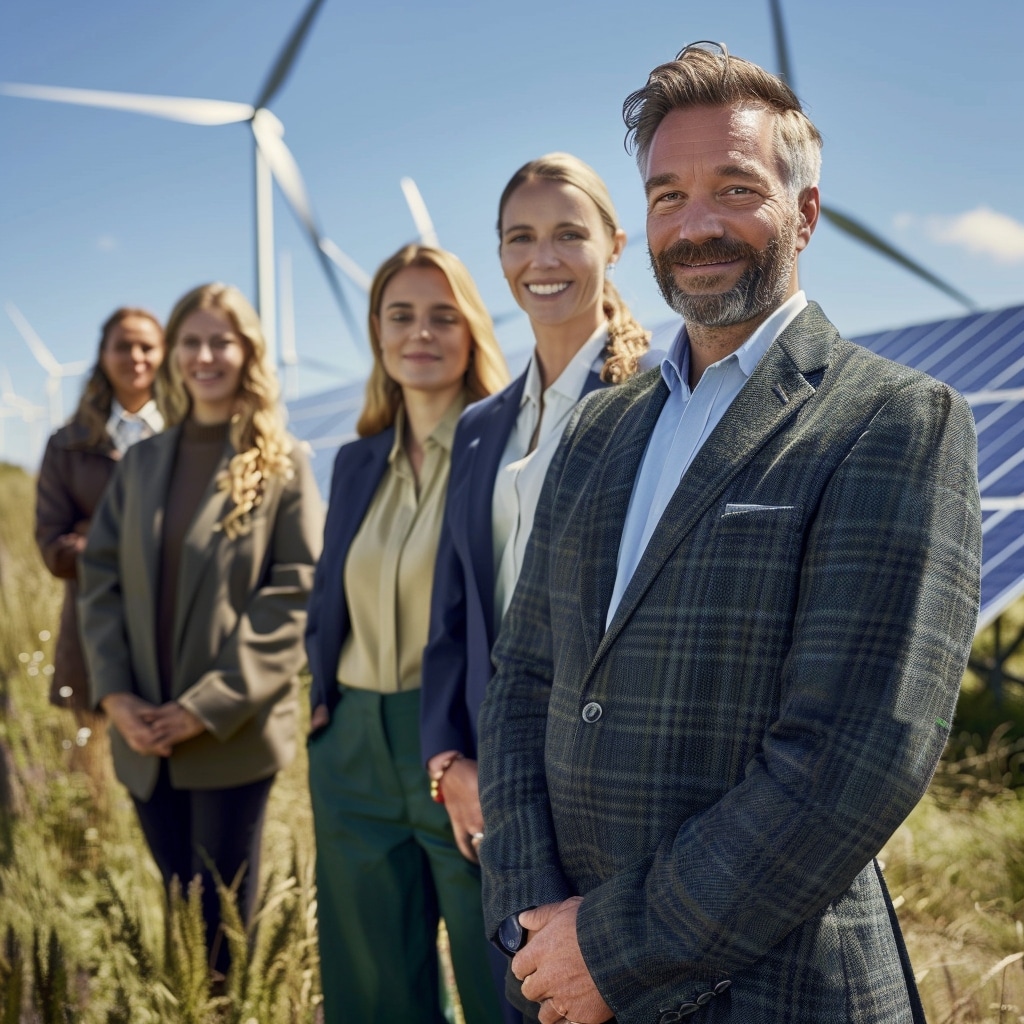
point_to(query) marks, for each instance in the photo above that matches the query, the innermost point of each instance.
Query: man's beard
(760, 290)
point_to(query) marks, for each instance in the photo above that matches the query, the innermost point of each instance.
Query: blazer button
(592, 712)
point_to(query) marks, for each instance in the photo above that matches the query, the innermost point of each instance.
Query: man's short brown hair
(699, 77)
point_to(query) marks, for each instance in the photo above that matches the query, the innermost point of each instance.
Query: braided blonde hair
(627, 340)
(257, 429)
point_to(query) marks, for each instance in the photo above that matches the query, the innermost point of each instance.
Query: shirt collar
(675, 367)
(572, 379)
(442, 435)
(148, 414)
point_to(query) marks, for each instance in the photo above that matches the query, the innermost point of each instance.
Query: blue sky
(919, 104)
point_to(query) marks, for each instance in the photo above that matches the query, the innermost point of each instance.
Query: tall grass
(83, 932)
(84, 936)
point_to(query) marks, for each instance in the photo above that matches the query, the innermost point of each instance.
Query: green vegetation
(82, 930)
(83, 935)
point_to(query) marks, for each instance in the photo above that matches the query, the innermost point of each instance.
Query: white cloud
(106, 243)
(981, 231)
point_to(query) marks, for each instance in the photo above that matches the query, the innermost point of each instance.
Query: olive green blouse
(389, 570)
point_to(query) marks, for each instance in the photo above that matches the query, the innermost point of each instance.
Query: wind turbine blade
(7, 389)
(75, 368)
(266, 129)
(420, 214)
(172, 108)
(283, 64)
(348, 266)
(781, 46)
(866, 236)
(43, 356)
(24, 407)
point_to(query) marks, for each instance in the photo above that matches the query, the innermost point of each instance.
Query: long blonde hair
(627, 340)
(97, 399)
(487, 371)
(257, 425)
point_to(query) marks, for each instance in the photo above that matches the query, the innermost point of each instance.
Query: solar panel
(325, 421)
(981, 355)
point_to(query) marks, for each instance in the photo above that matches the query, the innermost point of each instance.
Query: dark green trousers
(387, 868)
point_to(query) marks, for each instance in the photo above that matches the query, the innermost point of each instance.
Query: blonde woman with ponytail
(193, 606)
(559, 238)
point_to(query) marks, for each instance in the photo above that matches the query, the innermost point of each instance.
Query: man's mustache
(718, 250)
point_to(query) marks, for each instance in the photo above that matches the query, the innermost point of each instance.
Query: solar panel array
(981, 355)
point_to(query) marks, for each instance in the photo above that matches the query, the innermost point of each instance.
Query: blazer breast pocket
(751, 537)
(743, 509)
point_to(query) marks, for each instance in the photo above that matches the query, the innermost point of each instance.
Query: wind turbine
(273, 161)
(55, 372)
(12, 404)
(843, 221)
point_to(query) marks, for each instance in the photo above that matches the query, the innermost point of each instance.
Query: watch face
(511, 934)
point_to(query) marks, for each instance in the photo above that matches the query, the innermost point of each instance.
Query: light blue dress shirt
(684, 424)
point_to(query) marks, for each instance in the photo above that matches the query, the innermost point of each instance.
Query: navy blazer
(457, 660)
(358, 469)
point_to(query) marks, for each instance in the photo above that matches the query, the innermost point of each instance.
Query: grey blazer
(715, 772)
(239, 617)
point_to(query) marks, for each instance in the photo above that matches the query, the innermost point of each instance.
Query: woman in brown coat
(193, 602)
(116, 409)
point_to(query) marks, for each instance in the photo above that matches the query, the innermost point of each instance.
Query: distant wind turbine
(28, 411)
(55, 372)
(273, 161)
(843, 221)
(12, 404)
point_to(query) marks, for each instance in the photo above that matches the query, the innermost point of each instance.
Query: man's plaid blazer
(715, 772)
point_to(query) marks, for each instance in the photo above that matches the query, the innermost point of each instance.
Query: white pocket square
(739, 509)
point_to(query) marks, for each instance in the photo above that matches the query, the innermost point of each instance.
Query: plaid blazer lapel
(614, 484)
(777, 388)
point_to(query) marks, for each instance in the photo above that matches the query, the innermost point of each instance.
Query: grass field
(83, 935)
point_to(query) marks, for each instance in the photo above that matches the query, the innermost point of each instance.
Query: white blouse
(519, 481)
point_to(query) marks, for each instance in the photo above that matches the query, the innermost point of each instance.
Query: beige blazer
(240, 615)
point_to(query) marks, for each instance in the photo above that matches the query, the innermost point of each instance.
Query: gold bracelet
(435, 780)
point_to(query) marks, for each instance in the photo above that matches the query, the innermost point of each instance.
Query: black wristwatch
(511, 934)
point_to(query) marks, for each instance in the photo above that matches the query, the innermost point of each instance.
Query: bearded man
(734, 653)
